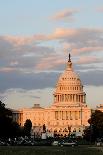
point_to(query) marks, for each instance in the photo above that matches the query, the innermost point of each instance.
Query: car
(99, 142)
(68, 143)
(55, 143)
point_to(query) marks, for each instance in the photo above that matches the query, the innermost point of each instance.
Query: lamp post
(81, 114)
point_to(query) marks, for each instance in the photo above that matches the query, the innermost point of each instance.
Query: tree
(5, 120)
(4, 112)
(8, 128)
(27, 127)
(95, 130)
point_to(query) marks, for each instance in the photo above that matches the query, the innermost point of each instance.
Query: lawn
(49, 150)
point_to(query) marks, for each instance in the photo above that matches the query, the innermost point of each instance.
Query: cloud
(92, 77)
(28, 81)
(89, 60)
(73, 33)
(50, 62)
(22, 98)
(6, 69)
(79, 41)
(84, 50)
(19, 54)
(100, 9)
(21, 40)
(61, 33)
(14, 63)
(43, 80)
(21, 57)
(67, 14)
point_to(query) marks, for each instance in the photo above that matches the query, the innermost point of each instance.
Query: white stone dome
(69, 89)
(69, 77)
(69, 80)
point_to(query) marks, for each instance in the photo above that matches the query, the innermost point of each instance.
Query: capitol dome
(69, 89)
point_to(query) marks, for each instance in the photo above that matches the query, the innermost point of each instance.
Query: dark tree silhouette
(95, 130)
(27, 127)
(8, 128)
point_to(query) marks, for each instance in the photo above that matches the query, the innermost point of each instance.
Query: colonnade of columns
(70, 98)
(18, 117)
(67, 115)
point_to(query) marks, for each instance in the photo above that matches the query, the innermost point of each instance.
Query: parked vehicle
(68, 143)
(55, 143)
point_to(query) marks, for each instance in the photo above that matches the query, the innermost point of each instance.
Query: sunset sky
(35, 39)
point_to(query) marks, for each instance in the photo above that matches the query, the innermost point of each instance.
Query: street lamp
(81, 114)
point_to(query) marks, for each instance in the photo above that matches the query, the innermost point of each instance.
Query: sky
(35, 39)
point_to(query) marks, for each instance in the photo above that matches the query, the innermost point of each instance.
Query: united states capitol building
(69, 111)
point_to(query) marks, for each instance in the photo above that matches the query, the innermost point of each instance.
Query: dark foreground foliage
(45, 150)
(10, 128)
(95, 130)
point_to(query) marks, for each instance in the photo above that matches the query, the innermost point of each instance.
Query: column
(58, 115)
(75, 98)
(55, 114)
(73, 115)
(62, 115)
(68, 97)
(82, 98)
(79, 98)
(54, 98)
(63, 97)
(66, 115)
(70, 115)
(79, 114)
(72, 97)
(58, 98)
(76, 115)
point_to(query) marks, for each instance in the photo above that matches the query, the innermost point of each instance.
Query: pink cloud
(61, 33)
(77, 51)
(6, 69)
(88, 60)
(72, 33)
(49, 63)
(65, 14)
(22, 40)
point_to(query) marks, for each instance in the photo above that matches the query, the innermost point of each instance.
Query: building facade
(69, 111)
